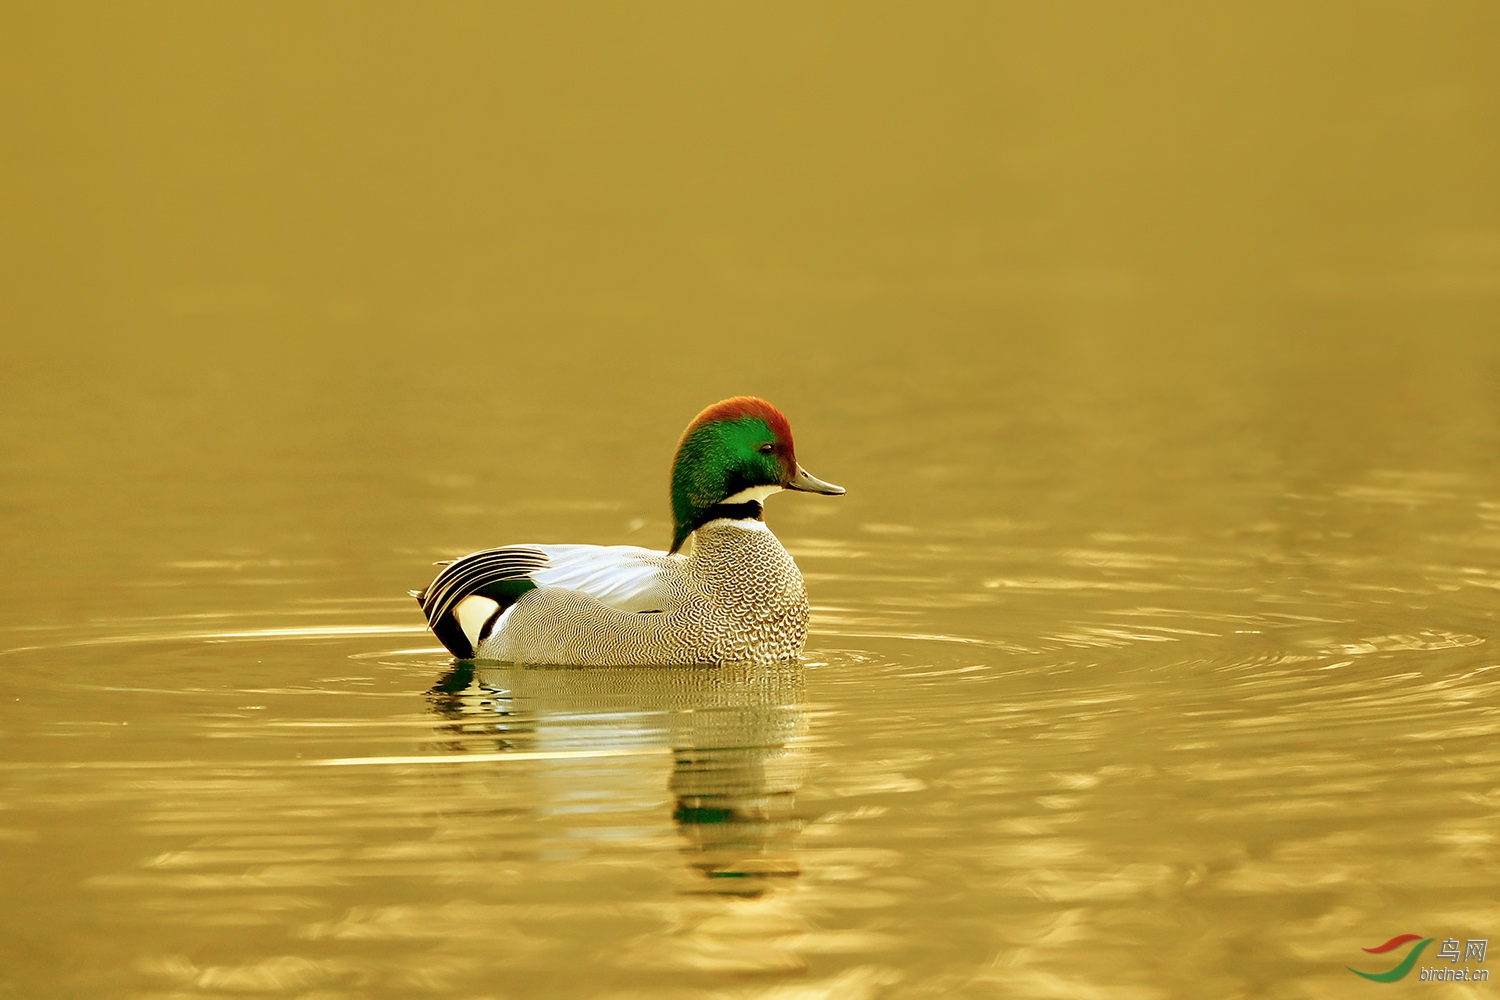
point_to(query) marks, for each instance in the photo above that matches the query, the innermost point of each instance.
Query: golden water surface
(1154, 650)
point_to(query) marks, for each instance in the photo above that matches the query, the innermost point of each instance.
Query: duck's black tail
(500, 576)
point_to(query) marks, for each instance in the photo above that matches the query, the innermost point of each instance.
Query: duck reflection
(734, 732)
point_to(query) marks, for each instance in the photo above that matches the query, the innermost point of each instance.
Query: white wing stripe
(624, 576)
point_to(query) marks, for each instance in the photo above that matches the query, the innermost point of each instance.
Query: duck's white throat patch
(756, 493)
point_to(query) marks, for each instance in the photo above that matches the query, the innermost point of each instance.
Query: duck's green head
(736, 451)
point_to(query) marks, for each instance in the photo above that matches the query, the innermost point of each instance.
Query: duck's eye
(766, 449)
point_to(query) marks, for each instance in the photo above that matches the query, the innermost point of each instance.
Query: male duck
(736, 596)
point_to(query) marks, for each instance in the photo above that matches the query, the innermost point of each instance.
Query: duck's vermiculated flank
(737, 596)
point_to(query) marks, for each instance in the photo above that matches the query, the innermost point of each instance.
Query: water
(1153, 646)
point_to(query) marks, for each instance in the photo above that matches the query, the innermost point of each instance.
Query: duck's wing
(624, 577)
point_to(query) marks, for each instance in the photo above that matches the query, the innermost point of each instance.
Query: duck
(726, 591)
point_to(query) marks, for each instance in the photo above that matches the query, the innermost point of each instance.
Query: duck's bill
(806, 483)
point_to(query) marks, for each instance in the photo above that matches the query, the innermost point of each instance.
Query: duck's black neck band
(750, 510)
